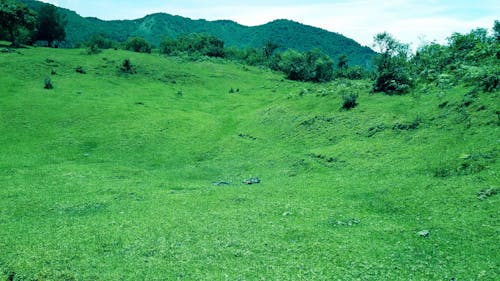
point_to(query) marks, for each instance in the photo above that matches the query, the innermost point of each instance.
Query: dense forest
(154, 28)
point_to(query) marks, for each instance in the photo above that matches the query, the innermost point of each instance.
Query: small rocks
(80, 70)
(249, 137)
(220, 183)
(345, 223)
(485, 193)
(252, 181)
(424, 233)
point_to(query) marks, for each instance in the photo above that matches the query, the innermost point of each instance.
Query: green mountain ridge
(155, 27)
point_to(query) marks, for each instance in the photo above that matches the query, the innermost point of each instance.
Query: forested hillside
(154, 28)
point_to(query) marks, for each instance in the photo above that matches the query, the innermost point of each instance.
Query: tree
(311, 66)
(168, 46)
(342, 62)
(194, 44)
(321, 64)
(496, 30)
(137, 44)
(50, 25)
(101, 42)
(391, 65)
(14, 16)
(432, 60)
(269, 49)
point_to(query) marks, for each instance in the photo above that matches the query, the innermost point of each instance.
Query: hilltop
(287, 34)
(119, 176)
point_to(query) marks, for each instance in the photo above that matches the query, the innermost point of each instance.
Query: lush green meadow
(110, 176)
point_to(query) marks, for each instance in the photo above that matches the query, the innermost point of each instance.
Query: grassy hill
(114, 176)
(287, 34)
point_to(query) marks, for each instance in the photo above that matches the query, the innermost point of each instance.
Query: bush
(352, 73)
(137, 44)
(295, 66)
(93, 50)
(48, 84)
(194, 44)
(169, 46)
(323, 71)
(80, 70)
(392, 66)
(127, 67)
(392, 81)
(485, 78)
(100, 42)
(311, 66)
(349, 100)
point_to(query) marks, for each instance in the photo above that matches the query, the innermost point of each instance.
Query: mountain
(287, 34)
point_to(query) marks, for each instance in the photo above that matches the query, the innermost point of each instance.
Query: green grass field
(110, 176)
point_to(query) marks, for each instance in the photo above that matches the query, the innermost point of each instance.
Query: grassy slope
(109, 176)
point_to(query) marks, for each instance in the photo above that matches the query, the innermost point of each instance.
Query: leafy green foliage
(101, 42)
(93, 49)
(342, 62)
(392, 69)
(50, 25)
(127, 67)
(194, 44)
(311, 66)
(349, 100)
(352, 73)
(15, 17)
(137, 44)
(496, 30)
(471, 58)
(269, 48)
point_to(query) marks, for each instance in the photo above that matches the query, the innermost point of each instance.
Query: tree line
(21, 25)
(473, 57)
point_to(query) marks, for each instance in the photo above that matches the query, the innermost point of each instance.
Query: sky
(410, 21)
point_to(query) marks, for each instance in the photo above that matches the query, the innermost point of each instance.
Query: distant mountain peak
(154, 27)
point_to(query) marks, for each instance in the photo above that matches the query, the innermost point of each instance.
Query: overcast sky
(410, 21)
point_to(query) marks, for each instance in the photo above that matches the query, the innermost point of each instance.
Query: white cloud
(408, 21)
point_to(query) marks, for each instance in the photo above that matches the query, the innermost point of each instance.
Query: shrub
(48, 84)
(100, 42)
(93, 50)
(194, 44)
(352, 73)
(169, 46)
(323, 69)
(80, 70)
(137, 44)
(349, 100)
(127, 67)
(311, 66)
(408, 126)
(294, 65)
(485, 78)
(392, 81)
(392, 66)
